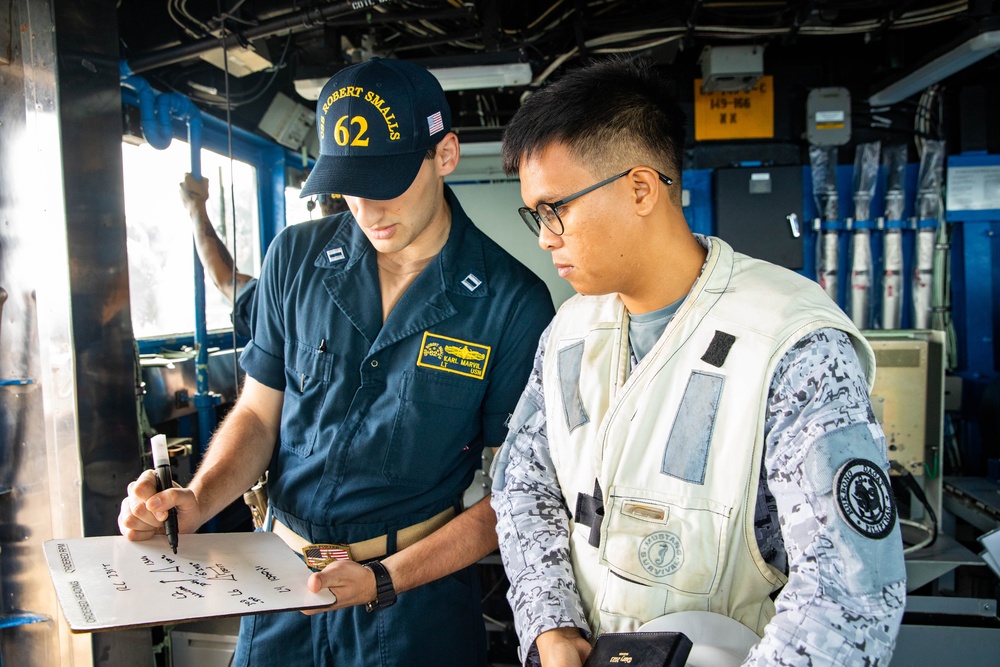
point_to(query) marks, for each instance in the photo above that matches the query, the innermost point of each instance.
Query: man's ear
(447, 153)
(647, 189)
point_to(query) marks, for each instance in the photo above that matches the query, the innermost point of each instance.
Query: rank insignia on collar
(453, 356)
(471, 282)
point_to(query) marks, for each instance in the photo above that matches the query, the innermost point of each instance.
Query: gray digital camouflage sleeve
(844, 599)
(533, 524)
(846, 589)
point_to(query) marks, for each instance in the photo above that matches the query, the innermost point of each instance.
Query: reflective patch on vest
(718, 349)
(661, 553)
(864, 498)
(570, 359)
(686, 453)
(453, 356)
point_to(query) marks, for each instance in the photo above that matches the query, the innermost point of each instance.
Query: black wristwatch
(385, 593)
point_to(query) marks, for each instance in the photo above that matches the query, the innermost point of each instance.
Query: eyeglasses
(547, 213)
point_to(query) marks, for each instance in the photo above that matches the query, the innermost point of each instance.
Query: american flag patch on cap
(319, 556)
(435, 123)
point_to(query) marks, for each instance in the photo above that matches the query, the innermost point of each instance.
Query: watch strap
(385, 592)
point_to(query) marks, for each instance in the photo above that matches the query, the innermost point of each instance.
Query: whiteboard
(106, 583)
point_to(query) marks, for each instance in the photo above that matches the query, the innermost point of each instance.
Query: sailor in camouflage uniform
(697, 433)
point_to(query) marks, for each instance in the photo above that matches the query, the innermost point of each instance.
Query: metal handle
(793, 222)
(3, 299)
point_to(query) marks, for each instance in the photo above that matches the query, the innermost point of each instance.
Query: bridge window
(297, 210)
(160, 246)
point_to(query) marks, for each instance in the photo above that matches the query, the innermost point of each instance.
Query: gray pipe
(297, 22)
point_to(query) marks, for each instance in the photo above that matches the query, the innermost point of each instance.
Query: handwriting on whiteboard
(109, 582)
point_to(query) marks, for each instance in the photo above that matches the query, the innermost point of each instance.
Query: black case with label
(640, 649)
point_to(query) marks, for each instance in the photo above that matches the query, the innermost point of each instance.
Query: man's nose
(547, 240)
(369, 212)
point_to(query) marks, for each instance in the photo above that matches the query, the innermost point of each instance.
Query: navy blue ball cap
(376, 120)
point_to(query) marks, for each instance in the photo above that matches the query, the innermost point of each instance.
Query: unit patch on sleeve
(453, 356)
(864, 498)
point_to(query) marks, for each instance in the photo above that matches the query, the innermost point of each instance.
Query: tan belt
(318, 555)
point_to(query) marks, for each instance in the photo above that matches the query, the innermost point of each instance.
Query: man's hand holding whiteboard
(106, 583)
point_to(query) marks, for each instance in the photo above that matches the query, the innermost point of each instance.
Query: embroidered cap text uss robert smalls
(376, 121)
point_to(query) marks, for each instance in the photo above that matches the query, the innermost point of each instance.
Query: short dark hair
(613, 114)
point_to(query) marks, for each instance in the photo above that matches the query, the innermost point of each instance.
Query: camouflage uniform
(844, 599)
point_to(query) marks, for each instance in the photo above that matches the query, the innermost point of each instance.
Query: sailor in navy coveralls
(389, 345)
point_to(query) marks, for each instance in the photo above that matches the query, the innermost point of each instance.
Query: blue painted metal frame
(699, 212)
(270, 160)
(975, 279)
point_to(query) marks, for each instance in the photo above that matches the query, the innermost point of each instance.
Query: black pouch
(640, 649)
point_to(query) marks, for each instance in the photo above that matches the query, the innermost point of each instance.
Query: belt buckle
(318, 556)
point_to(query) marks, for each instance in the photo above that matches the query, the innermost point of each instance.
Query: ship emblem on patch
(453, 356)
(864, 498)
(661, 553)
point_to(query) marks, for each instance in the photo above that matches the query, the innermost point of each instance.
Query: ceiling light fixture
(972, 48)
(451, 78)
(483, 76)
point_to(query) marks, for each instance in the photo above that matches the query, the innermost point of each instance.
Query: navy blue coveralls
(243, 307)
(383, 425)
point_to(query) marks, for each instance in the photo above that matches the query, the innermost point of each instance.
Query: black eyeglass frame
(534, 220)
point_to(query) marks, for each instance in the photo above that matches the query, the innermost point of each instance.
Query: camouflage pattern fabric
(844, 599)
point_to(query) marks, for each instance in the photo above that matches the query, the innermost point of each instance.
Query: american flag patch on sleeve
(435, 123)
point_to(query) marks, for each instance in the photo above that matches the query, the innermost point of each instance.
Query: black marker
(161, 462)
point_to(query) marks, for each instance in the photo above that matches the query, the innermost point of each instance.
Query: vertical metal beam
(89, 125)
(89, 119)
(39, 452)
(69, 431)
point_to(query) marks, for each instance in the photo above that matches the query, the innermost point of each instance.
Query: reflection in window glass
(160, 246)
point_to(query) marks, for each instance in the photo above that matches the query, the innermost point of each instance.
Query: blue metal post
(976, 232)
(157, 112)
(698, 184)
(204, 400)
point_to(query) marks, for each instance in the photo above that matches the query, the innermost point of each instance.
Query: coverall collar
(458, 271)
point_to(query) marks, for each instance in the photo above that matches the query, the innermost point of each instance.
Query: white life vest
(674, 447)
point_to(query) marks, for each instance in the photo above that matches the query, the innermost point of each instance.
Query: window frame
(271, 160)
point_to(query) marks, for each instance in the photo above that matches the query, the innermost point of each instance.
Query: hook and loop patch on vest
(570, 362)
(864, 498)
(590, 512)
(718, 349)
(685, 455)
